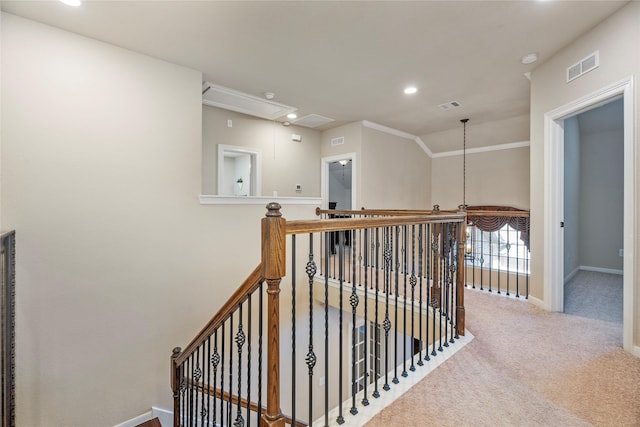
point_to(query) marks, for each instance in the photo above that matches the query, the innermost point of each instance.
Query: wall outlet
(298, 188)
(229, 123)
(321, 381)
(621, 252)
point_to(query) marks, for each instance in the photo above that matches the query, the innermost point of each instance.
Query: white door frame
(554, 196)
(324, 177)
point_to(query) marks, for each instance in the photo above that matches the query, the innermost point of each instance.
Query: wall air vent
(582, 67)
(312, 121)
(449, 105)
(229, 99)
(337, 141)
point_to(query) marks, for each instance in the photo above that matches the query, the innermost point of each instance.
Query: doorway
(553, 245)
(338, 182)
(593, 212)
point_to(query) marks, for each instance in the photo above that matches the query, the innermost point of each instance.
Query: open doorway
(338, 182)
(553, 244)
(593, 212)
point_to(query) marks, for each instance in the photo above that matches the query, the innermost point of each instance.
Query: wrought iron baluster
(518, 247)
(447, 283)
(499, 262)
(420, 278)
(341, 278)
(413, 281)
(441, 281)
(353, 301)
(490, 258)
(473, 260)
(215, 361)
(395, 379)
(365, 400)
(311, 356)
(434, 279)
(386, 324)
(203, 412)
(326, 344)
(241, 339)
(481, 260)
(230, 401)
(205, 362)
(183, 392)
(376, 365)
(404, 297)
(249, 327)
(222, 402)
(260, 349)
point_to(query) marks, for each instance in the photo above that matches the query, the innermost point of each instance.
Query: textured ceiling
(347, 60)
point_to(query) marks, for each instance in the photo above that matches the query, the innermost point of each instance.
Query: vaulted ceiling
(348, 61)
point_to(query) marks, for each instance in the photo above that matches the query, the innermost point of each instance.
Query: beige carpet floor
(526, 367)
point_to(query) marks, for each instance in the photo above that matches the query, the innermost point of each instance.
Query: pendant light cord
(464, 164)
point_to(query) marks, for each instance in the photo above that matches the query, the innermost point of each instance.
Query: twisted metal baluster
(208, 379)
(311, 270)
(203, 411)
(386, 324)
(241, 338)
(353, 301)
(230, 402)
(222, 410)
(435, 279)
(215, 360)
(260, 349)
(404, 297)
(326, 338)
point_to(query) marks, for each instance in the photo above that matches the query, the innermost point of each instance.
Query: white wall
(492, 178)
(601, 198)
(617, 40)
(571, 196)
(285, 163)
(117, 263)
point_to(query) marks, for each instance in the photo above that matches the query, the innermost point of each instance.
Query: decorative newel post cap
(177, 351)
(436, 208)
(273, 210)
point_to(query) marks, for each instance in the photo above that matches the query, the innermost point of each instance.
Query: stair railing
(216, 379)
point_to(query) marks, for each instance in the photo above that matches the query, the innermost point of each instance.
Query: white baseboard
(636, 351)
(165, 417)
(601, 270)
(538, 302)
(133, 422)
(573, 273)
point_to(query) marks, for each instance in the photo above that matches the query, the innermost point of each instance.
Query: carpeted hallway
(526, 367)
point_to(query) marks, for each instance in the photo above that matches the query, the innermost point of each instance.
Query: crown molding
(401, 134)
(498, 147)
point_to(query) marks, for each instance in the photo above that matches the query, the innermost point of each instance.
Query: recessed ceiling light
(410, 90)
(529, 58)
(74, 3)
(292, 116)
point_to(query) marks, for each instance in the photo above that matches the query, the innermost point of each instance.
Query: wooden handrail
(227, 397)
(340, 224)
(250, 284)
(389, 212)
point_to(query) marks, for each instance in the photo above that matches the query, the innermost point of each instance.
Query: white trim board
(601, 270)
(165, 416)
(208, 199)
(486, 149)
(425, 148)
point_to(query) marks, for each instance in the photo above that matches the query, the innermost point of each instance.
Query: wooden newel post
(273, 269)
(175, 385)
(462, 240)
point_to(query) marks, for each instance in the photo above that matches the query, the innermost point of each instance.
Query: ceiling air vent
(312, 121)
(582, 67)
(337, 141)
(449, 105)
(229, 99)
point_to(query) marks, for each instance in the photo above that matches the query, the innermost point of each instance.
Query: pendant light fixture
(463, 206)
